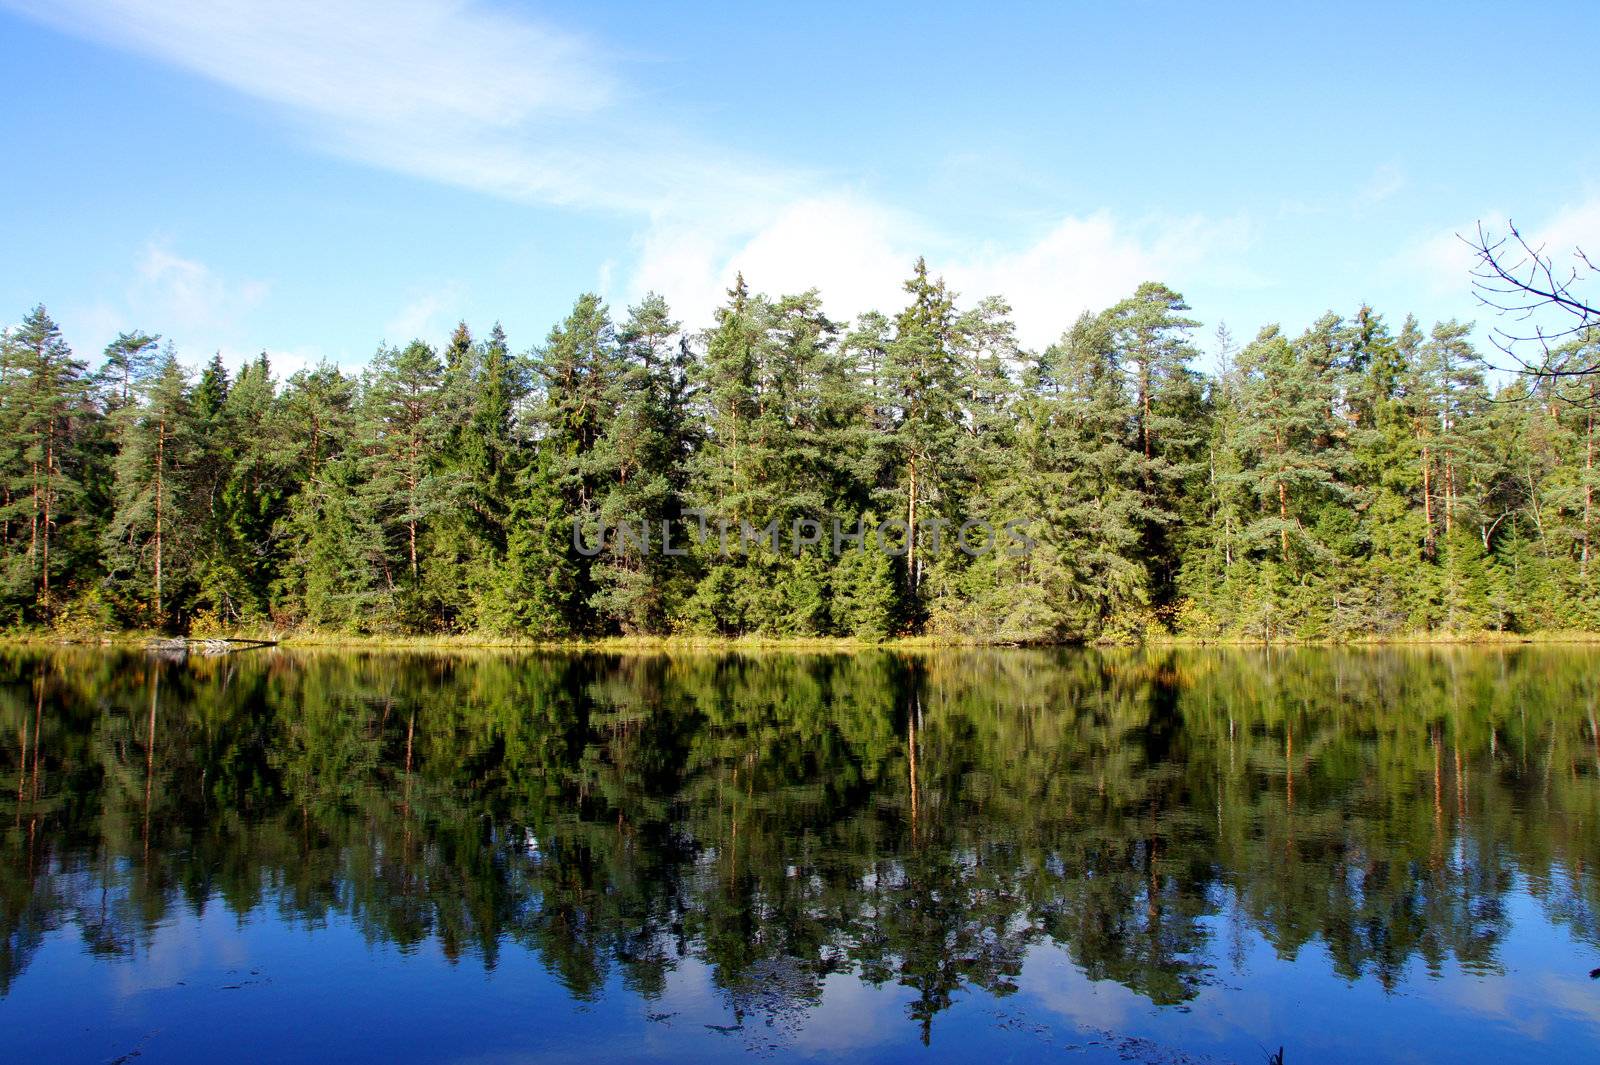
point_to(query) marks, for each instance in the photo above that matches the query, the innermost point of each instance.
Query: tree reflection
(920, 820)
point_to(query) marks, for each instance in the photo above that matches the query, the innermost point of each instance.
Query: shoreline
(812, 644)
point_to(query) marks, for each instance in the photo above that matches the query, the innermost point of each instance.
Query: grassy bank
(1412, 639)
(818, 644)
(348, 641)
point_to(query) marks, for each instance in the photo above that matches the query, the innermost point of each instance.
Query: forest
(1357, 477)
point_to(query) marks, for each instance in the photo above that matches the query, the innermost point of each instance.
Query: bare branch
(1521, 282)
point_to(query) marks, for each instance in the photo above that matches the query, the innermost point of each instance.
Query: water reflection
(920, 821)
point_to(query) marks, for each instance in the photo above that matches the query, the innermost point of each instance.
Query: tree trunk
(1588, 485)
(1283, 517)
(161, 461)
(33, 521)
(911, 752)
(911, 528)
(1449, 494)
(411, 497)
(1144, 407)
(1283, 498)
(22, 771)
(1427, 499)
(49, 486)
(38, 731)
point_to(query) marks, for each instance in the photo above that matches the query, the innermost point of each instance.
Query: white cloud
(858, 254)
(1573, 227)
(1090, 262)
(1442, 261)
(364, 63)
(855, 252)
(188, 296)
(458, 92)
(488, 99)
(188, 302)
(429, 317)
(284, 362)
(1445, 259)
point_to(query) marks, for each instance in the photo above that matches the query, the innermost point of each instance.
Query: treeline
(1352, 479)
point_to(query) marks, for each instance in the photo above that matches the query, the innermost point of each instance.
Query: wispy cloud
(185, 300)
(1387, 181)
(189, 294)
(458, 92)
(427, 317)
(489, 99)
(1444, 259)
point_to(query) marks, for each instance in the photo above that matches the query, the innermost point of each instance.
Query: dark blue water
(1007, 856)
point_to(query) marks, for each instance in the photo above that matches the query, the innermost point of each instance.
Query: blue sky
(312, 178)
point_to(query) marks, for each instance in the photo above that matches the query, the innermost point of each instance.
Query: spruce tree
(920, 385)
(642, 458)
(246, 555)
(402, 427)
(1081, 480)
(1152, 335)
(577, 371)
(336, 569)
(490, 455)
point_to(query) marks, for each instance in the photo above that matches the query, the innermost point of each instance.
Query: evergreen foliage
(784, 473)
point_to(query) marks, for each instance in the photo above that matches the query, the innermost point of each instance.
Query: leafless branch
(1521, 283)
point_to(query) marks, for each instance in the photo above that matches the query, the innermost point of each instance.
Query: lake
(1164, 856)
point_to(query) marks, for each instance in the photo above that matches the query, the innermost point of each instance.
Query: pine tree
(1455, 372)
(1213, 551)
(151, 539)
(44, 412)
(1347, 480)
(129, 359)
(1286, 433)
(1152, 338)
(986, 352)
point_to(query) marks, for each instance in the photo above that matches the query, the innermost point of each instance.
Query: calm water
(1018, 855)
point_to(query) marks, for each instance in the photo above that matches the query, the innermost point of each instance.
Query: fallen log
(210, 645)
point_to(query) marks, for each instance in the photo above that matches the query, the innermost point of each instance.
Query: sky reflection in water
(1006, 855)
